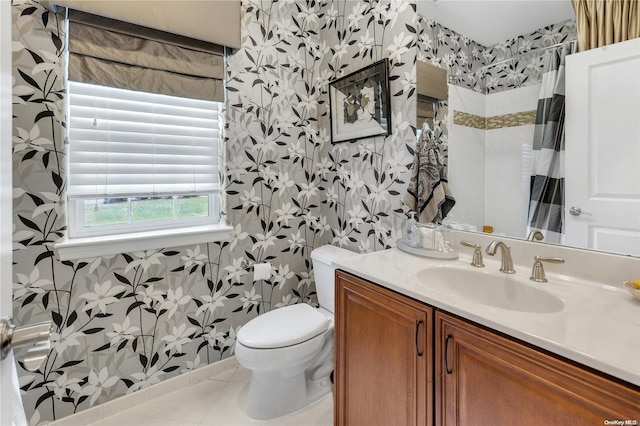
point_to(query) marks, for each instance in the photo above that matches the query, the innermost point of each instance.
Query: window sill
(109, 245)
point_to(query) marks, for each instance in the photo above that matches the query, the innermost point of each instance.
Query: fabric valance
(113, 53)
(213, 21)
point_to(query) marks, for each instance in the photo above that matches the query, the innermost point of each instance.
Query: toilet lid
(283, 327)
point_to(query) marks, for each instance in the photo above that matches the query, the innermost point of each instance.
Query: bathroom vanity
(384, 356)
(410, 352)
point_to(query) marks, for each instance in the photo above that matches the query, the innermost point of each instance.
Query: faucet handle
(537, 273)
(476, 261)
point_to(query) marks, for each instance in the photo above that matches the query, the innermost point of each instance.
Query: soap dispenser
(411, 231)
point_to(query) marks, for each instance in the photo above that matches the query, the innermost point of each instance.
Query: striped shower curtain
(546, 205)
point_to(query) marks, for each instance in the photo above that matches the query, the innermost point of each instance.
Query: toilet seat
(283, 327)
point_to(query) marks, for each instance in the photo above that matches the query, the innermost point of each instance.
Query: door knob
(577, 211)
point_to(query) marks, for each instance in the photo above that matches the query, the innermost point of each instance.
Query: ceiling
(490, 22)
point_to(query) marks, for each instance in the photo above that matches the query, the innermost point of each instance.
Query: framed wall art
(359, 104)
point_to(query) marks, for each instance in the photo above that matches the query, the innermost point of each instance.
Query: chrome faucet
(535, 235)
(506, 265)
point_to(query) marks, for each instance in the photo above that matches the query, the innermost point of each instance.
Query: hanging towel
(428, 193)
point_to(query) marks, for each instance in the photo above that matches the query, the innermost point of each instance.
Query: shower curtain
(546, 202)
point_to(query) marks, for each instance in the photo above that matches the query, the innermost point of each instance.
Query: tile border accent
(115, 406)
(515, 119)
(469, 120)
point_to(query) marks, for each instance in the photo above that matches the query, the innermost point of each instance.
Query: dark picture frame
(360, 104)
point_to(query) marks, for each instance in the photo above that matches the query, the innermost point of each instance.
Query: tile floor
(218, 401)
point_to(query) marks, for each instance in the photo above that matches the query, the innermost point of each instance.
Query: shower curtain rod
(540, 49)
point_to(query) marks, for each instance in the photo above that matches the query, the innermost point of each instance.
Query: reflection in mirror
(425, 112)
(488, 123)
(492, 147)
(432, 88)
(432, 94)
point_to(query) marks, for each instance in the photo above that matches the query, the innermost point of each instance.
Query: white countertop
(599, 326)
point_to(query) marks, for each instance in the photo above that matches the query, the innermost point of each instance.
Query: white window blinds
(128, 143)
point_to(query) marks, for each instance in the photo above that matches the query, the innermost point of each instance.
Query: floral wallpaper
(367, 178)
(448, 49)
(126, 322)
(464, 58)
(527, 69)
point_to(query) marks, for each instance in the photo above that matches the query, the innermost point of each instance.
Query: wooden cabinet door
(384, 356)
(483, 378)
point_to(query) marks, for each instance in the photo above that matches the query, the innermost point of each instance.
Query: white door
(5, 196)
(602, 157)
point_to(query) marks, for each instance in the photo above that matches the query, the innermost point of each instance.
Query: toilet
(290, 350)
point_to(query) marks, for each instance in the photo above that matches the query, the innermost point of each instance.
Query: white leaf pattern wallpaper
(123, 323)
(366, 178)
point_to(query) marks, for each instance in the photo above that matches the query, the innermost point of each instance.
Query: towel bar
(36, 337)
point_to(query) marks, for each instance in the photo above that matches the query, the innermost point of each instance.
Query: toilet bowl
(290, 350)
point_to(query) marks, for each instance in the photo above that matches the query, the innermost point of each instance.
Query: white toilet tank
(324, 272)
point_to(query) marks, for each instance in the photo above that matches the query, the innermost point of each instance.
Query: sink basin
(493, 289)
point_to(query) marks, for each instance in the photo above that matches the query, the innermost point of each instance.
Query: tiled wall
(508, 159)
(467, 157)
(492, 147)
(514, 119)
(465, 119)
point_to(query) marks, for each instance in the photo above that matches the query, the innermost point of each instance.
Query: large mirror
(493, 52)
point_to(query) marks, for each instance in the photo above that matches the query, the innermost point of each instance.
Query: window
(143, 163)
(143, 172)
(140, 161)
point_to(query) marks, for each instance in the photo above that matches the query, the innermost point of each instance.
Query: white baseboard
(116, 406)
